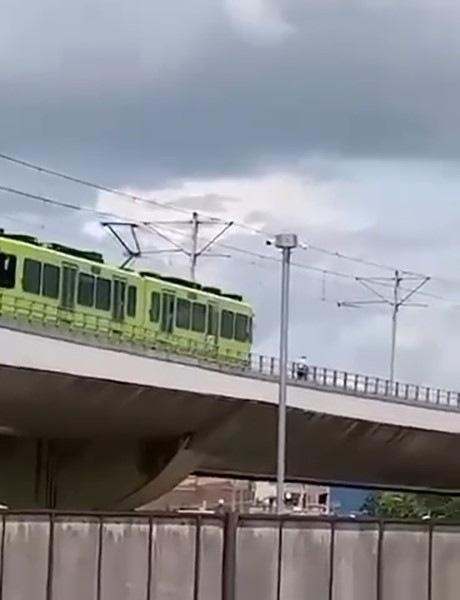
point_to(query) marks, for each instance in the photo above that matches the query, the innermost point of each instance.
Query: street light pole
(286, 243)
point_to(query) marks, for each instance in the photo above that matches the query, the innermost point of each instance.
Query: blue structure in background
(348, 501)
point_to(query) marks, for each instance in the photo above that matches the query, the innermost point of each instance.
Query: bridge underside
(73, 443)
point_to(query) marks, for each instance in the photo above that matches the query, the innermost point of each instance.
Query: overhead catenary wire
(104, 214)
(225, 245)
(98, 213)
(321, 271)
(257, 260)
(153, 203)
(97, 186)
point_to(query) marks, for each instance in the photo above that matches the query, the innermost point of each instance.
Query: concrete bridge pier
(121, 473)
(89, 474)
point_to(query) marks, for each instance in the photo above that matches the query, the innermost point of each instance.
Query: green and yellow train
(73, 289)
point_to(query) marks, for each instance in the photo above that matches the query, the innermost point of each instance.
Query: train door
(69, 286)
(168, 303)
(212, 326)
(119, 300)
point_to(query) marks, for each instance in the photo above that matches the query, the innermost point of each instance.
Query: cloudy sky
(335, 119)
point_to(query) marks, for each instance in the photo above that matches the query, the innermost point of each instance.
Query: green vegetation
(394, 505)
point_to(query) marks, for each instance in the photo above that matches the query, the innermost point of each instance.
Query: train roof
(96, 259)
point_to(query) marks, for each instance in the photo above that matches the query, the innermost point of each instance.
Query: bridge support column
(46, 474)
(87, 474)
(102, 473)
(182, 458)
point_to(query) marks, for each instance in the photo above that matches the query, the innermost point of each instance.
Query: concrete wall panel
(445, 563)
(173, 560)
(75, 559)
(25, 560)
(125, 558)
(405, 560)
(355, 562)
(211, 556)
(257, 561)
(306, 560)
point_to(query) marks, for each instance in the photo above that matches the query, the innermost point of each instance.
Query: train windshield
(7, 270)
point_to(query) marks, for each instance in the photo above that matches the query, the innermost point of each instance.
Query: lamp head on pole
(286, 241)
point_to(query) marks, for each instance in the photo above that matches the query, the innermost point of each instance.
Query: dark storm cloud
(138, 94)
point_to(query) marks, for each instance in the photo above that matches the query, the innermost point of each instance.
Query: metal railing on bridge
(31, 314)
(224, 557)
(355, 383)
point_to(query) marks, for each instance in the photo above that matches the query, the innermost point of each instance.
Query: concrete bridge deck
(92, 423)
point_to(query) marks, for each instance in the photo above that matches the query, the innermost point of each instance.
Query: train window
(132, 301)
(85, 294)
(183, 313)
(103, 293)
(119, 300)
(32, 276)
(7, 270)
(212, 324)
(155, 303)
(241, 328)
(250, 328)
(226, 325)
(167, 312)
(51, 281)
(198, 317)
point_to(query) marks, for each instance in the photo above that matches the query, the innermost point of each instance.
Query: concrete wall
(168, 557)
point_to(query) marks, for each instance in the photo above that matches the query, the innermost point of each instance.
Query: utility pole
(194, 252)
(394, 322)
(399, 298)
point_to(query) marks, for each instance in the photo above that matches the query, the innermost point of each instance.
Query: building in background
(219, 494)
(299, 498)
(207, 494)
